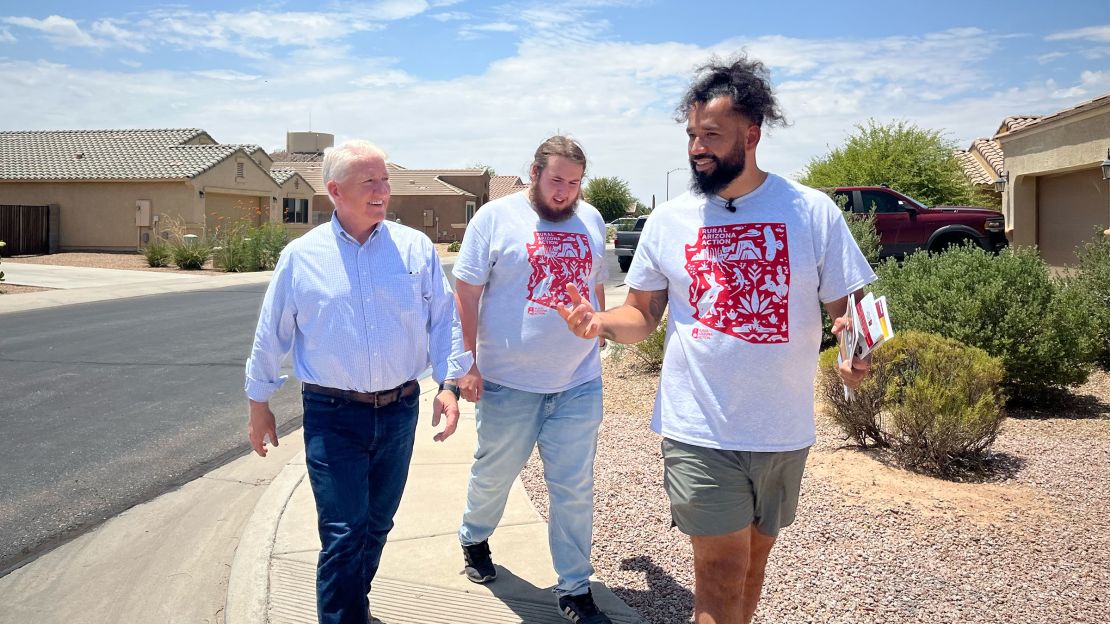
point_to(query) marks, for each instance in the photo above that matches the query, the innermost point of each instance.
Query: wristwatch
(452, 386)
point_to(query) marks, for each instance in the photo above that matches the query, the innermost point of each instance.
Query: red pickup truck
(905, 225)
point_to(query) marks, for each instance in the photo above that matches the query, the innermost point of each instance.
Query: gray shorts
(715, 492)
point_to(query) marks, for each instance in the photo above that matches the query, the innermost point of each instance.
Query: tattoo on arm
(656, 306)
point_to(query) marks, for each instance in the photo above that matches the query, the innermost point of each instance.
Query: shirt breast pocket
(408, 291)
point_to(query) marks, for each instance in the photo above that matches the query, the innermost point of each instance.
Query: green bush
(934, 401)
(454, 246)
(1093, 275)
(190, 254)
(1043, 330)
(610, 233)
(157, 252)
(244, 249)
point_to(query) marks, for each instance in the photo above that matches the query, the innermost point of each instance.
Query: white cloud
(618, 98)
(61, 31)
(225, 74)
(1091, 33)
(474, 31)
(6, 36)
(450, 16)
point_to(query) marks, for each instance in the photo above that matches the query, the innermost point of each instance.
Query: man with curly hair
(743, 262)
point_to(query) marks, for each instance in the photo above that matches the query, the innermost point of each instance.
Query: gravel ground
(15, 289)
(873, 543)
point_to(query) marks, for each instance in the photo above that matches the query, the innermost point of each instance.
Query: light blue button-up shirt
(363, 317)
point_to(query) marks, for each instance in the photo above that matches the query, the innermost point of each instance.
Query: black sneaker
(581, 609)
(479, 567)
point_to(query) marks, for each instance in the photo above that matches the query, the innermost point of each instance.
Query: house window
(469, 211)
(294, 210)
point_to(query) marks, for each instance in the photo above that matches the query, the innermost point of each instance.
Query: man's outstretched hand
(580, 316)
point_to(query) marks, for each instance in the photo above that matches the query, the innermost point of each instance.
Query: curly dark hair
(747, 82)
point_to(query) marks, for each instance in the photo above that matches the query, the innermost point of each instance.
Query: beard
(723, 173)
(548, 212)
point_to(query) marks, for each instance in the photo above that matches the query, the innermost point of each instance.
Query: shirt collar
(340, 232)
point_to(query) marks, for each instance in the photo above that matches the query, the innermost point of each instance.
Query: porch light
(1106, 166)
(1000, 183)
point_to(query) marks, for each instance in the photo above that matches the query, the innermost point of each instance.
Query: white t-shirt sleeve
(842, 267)
(474, 261)
(646, 272)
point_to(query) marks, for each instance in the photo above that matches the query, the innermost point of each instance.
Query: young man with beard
(743, 263)
(533, 384)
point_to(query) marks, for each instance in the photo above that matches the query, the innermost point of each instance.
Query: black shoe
(581, 609)
(479, 567)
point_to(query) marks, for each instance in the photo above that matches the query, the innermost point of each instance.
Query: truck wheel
(948, 241)
(625, 262)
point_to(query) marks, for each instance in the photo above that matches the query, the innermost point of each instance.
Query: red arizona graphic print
(557, 259)
(741, 280)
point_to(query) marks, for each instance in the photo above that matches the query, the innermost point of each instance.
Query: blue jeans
(564, 424)
(358, 462)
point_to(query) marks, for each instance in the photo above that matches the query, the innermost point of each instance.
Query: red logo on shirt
(741, 280)
(558, 259)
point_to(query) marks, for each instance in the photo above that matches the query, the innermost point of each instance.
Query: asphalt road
(106, 405)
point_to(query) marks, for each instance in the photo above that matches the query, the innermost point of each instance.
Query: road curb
(248, 586)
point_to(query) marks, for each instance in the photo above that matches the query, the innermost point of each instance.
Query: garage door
(1069, 207)
(223, 212)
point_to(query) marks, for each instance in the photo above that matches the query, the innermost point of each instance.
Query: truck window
(880, 202)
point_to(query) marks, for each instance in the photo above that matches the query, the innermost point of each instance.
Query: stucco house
(115, 189)
(1055, 195)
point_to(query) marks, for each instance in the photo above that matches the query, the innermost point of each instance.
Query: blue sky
(447, 83)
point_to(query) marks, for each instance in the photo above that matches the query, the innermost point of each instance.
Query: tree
(488, 169)
(610, 196)
(916, 161)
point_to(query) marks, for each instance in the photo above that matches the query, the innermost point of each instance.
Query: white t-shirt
(744, 322)
(525, 264)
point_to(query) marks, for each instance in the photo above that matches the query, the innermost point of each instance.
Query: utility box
(142, 213)
(429, 218)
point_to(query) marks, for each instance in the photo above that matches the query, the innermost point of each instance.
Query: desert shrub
(610, 233)
(944, 401)
(454, 246)
(934, 401)
(157, 252)
(860, 416)
(243, 249)
(1044, 331)
(1092, 274)
(269, 240)
(190, 254)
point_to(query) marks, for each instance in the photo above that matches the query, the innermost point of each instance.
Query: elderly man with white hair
(365, 307)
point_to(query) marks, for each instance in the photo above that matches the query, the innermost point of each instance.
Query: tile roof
(991, 152)
(1016, 122)
(973, 168)
(500, 186)
(402, 181)
(1026, 122)
(281, 176)
(108, 154)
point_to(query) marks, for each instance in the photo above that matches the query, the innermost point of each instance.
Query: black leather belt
(377, 399)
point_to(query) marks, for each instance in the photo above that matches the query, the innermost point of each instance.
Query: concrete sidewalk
(420, 579)
(75, 285)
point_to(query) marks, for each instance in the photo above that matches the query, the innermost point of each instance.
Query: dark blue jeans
(358, 462)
